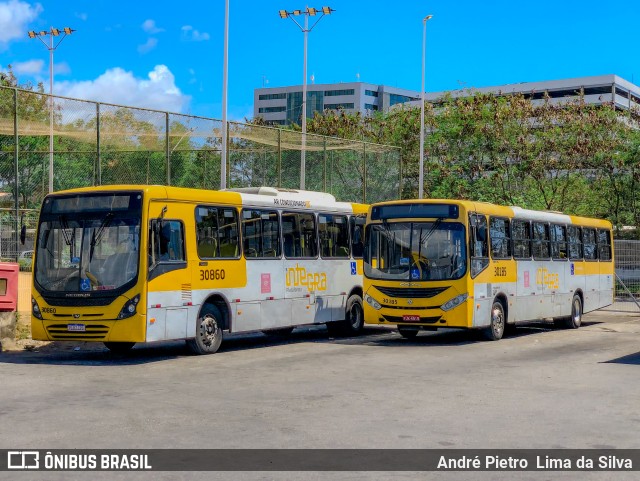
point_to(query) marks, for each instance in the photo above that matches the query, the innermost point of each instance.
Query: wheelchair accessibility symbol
(354, 271)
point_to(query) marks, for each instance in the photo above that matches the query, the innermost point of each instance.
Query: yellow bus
(462, 264)
(129, 264)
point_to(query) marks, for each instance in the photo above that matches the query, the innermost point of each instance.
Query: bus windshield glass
(88, 249)
(415, 251)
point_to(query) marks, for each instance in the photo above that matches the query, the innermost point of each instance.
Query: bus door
(304, 276)
(169, 281)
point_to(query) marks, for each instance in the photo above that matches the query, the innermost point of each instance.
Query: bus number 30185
(211, 274)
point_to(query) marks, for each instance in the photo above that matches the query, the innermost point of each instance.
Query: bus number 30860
(211, 274)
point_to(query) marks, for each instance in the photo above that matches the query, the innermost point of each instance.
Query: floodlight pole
(424, 48)
(305, 30)
(223, 151)
(53, 32)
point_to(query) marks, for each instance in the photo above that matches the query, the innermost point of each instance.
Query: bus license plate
(411, 318)
(76, 328)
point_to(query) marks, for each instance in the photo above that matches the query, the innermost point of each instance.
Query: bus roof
(508, 211)
(255, 196)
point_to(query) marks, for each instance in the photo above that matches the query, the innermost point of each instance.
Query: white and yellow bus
(128, 264)
(461, 264)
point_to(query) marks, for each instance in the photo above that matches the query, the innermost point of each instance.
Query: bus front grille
(423, 320)
(411, 292)
(94, 333)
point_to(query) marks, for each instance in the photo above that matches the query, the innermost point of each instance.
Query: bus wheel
(280, 332)
(119, 347)
(575, 319)
(208, 333)
(355, 315)
(495, 330)
(408, 332)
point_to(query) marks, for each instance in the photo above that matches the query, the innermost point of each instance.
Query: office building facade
(283, 105)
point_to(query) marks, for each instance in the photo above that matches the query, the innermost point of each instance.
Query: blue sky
(168, 55)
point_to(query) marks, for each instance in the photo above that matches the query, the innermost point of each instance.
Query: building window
(343, 105)
(269, 110)
(399, 99)
(370, 107)
(332, 93)
(272, 96)
(371, 93)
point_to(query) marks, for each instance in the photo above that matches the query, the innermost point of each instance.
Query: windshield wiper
(97, 234)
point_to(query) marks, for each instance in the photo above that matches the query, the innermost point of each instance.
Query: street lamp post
(52, 32)
(308, 12)
(424, 48)
(225, 128)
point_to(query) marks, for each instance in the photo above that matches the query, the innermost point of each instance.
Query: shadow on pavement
(629, 359)
(87, 354)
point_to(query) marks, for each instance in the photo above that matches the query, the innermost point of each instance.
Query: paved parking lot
(540, 388)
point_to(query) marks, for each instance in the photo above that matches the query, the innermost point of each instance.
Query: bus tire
(279, 332)
(495, 331)
(208, 332)
(574, 321)
(408, 332)
(119, 347)
(354, 315)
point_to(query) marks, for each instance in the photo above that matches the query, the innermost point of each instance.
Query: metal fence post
(16, 171)
(364, 172)
(228, 150)
(168, 152)
(279, 158)
(98, 167)
(324, 159)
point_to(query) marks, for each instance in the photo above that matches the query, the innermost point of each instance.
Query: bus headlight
(129, 308)
(372, 302)
(455, 302)
(35, 309)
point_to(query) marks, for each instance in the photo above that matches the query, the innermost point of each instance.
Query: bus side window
(521, 234)
(575, 242)
(540, 240)
(357, 235)
(604, 245)
(217, 232)
(499, 235)
(479, 243)
(167, 241)
(589, 244)
(558, 242)
(299, 233)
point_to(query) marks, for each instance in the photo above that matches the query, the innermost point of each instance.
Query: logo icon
(23, 459)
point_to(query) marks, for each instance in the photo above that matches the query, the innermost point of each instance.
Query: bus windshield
(415, 251)
(92, 249)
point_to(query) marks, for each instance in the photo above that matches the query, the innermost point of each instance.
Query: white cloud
(190, 34)
(148, 46)
(82, 16)
(61, 68)
(150, 26)
(30, 67)
(118, 86)
(14, 17)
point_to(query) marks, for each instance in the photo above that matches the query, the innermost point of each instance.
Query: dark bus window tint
(499, 235)
(299, 234)
(558, 242)
(167, 241)
(589, 244)
(357, 235)
(604, 245)
(540, 240)
(479, 243)
(333, 231)
(575, 242)
(260, 233)
(217, 232)
(521, 231)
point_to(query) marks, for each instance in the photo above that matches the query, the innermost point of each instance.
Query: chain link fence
(101, 144)
(627, 281)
